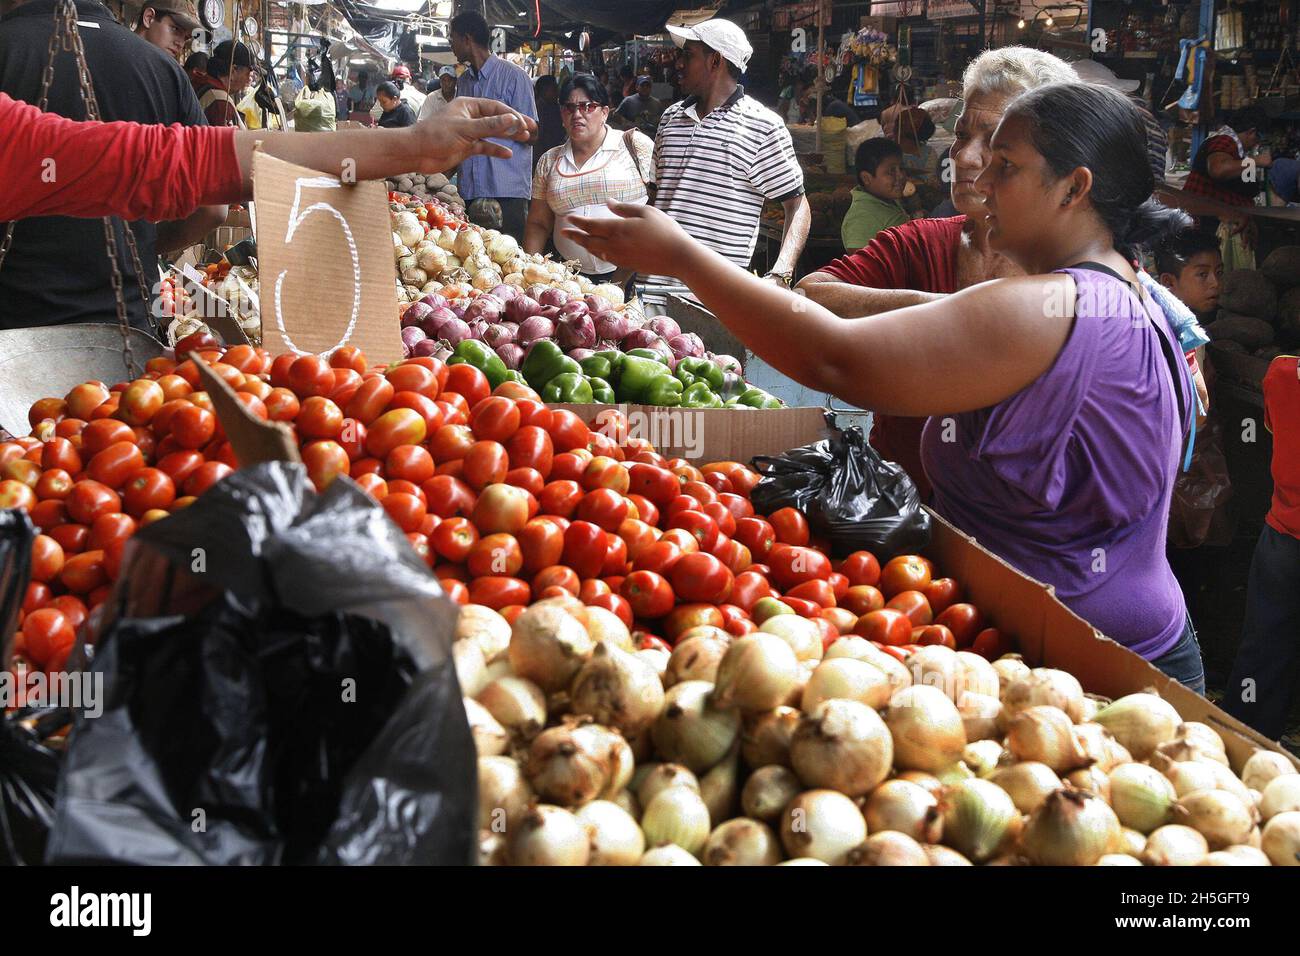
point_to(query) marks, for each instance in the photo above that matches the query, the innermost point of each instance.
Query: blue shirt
(487, 176)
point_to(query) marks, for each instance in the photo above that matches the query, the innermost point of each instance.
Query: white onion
(1188, 776)
(765, 738)
(1027, 783)
(1090, 779)
(490, 738)
(720, 787)
(1281, 839)
(860, 649)
(518, 705)
(670, 855)
(799, 632)
(656, 658)
(569, 766)
(756, 673)
(676, 815)
(844, 746)
(978, 819)
(1118, 859)
(937, 667)
(1045, 734)
(614, 837)
(1071, 828)
(1009, 669)
(1095, 742)
(503, 793)
(548, 836)
(1263, 766)
(1141, 796)
(904, 807)
(492, 849)
(768, 790)
(661, 777)
(803, 861)
(945, 856)
(1219, 816)
(1132, 841)
(846, 679)
(697, 657)
(926, 781)
(979, 715)
(888, 848)
(471, 668)
(1202, 734)
(977, 676)
(1043, 686)
(822, 824)
(626, 800)
(548, 646)
(926, 727)
(982, 756)
(1174, 845)
(606, 627)
(1141, 722)
(742, 842)
(1251, 854)
(486, 628)
(499, 668)
(691, 730)
(617, 689)
(1282, 795)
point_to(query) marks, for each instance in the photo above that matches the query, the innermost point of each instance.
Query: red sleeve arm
(52, 166)
(880, 264)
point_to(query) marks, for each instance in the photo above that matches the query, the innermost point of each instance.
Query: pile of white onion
(762, 750)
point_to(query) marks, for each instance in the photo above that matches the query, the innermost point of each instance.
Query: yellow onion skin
(822, 824)
(1027, 783)
(490, 738)
(1043, 686)
(1280, 841)
(1045, 735)
(1141, 796)
(1282, 795)
(517, 704)
(720, 787)
(765, 738)
(1220, 816)
(844, 746)
(503, 793)
(1140, 722)
(1174, 845)
(979, 819)
(668, 855)
(1071, 828)
(846, 679)
(661, 777)
(742, 842)
(568, 768)
(696, 656)
(691, 730)
(757, 672)
(945, 856)
(616, 689)
(677, 815)
(548, 646)
(548, 836)
(1263, 766)
(614, 837)
(904, 807)
(767, 792)
(888, 848)
(1118, 859)
(927, 729)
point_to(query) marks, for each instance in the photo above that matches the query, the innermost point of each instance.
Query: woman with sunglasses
(598, 164)
(1059, 403)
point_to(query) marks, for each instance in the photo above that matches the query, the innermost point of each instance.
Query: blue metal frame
(1207, 30)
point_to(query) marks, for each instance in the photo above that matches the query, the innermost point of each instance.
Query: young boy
(1191, 267)
(1266, 674)
(881, 179)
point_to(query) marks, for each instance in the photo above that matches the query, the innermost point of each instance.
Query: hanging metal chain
(67, 37)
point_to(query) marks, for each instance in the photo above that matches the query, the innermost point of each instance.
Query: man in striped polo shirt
(719, 154)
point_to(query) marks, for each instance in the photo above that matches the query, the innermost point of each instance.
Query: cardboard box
(1049, 633)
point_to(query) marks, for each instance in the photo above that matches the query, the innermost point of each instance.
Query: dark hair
(1252, 117)
(472, 25)
(1083, 124)
(196, 61)
(1173, 254)
(735, 71)
(544, 83)
(388, 88)
(872, 152)
(594, 89)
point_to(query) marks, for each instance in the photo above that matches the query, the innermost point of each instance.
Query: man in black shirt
(57, 269)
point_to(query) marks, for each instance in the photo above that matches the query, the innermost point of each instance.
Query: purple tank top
(1070, 478)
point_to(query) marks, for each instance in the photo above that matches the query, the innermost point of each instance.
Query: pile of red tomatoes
(508, 500)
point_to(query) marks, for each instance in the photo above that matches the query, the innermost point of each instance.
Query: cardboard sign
(325, 258)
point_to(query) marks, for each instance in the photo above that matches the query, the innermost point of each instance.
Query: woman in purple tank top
(1058, 401)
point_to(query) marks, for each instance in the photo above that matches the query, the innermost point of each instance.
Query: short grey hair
(1012, 70)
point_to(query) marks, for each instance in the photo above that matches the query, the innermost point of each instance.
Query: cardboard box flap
(253, 440)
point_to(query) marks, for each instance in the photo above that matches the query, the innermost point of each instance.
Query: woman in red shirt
(52, 166)
(928, 258)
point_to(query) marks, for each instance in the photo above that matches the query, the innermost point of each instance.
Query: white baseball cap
(1090, 71)
(717, 34)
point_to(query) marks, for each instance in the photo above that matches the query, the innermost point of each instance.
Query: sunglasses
(588, 106)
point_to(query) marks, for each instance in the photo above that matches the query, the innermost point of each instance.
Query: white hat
(1090, 71)
(717, 34)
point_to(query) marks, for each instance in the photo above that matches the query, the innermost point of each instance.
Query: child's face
(1197, 286)
(888, 180)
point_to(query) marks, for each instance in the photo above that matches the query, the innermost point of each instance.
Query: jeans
(1262, 686)
(1182, 662)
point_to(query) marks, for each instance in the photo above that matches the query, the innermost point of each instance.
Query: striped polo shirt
(715, 172)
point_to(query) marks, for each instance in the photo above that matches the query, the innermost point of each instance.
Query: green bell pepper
(654, 354)
(473, 351)
(568, 387)
(596, 366)
(703, 371)
(664, 391)
(757, 398)
(685, 377)
(545, 361)
(614, 357)
(638, 375)
(514, 376)
(601, 391)
(700, 395)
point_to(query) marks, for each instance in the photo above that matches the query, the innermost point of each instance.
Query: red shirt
(110, 169)
(1282, 418)
(1201, 183)
(920, 255)
(214, 97)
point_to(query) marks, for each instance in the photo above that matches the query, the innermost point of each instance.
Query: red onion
(426, 347)
(436, 318)
(688, 345)
(521, 307)
(533, 329)
(434, 301)
(576, 332)
(639, 339)
(486, 307)
(499, 334)
(512, 354)
(476, 328)
(457, 306)
(453, 331)
(574, 307)
(415, 314)
(551, 312)
(728, 363)
(612, 325)
(555, 297)
(504, 292)
(579, 354)
(663, 327)
(535, 290)
(596, 303)
(411, 335)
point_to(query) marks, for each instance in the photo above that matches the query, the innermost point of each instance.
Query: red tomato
(615, 556)
(567, 430)
(320, 418)
(964, 620)
(615, 603)
(942, 593)
(585, 548)
(451, 443)
(49, 637)
(401, 426)
(147, 489)
(453, 539)
(933, 634)
(682, 538)
(71, 537)
(409, 462)
(686, 616)
(140, 401)
(46, 515)
(862, 599)
(530, 447)
(370, 400)
(658, 556)
(497, 591)
(542, 544)
(282, 405)
(486, 462)
(529, 479)
(406, 510)
(348, 356)
(468, 382)
(47, 558)
(748, 588)
(325, 461)
(448, 496)
(819, 592)
(657, 484)
(24, 470)
(115, 464)
(722, 517)
(839, 585)
(907, 572)
(501, 508)
(560, 497)
(89, 499)
(604, 507)
(699, 525)
(701, 577)
(646, 509)
(861, 567)
(205, 476)
(426, 407)
(456, 591)
(638, 535)
(60, 453)
(792, 564)
(649, 594)
(790, 525)
(842, 619)
(494, 418)
(84, 399)
(557, 575)
(307, 375)
(101, 433)
(84, 572)
(992, 643)
(53, 484)
(72, 607)
(568, 466)
(914, 605)
(886, 626)
(455, 410)
(532, 410)
(372, 485)
(352, 439)
(180, 465)
(605, 472)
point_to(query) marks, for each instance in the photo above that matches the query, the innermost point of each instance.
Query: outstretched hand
(639, 237)
(463, 128)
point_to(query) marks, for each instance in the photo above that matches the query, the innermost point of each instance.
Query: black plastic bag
(850, 495)
(279, 689)
(16, 536)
